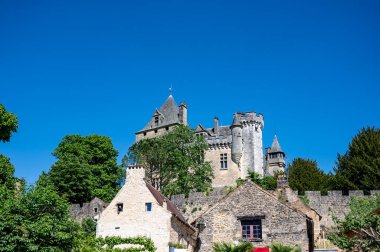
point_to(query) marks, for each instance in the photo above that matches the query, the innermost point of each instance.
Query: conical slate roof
(275, 146)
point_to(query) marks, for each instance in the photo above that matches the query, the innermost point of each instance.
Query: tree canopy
(304, 175)
(86, 168)
(177, 158)
(8, 124)
(360, 230)
(359, 167)
(37, 220)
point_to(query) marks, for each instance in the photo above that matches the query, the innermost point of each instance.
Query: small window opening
(155, 131)
(251, 229)
(167, 128)
(156, 121)
(144, 133)
(148, 207)
(95, 209)
(223, 161)
(119, 207)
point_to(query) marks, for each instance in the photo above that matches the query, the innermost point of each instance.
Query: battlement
(353, 193)
(135, 171)
(251, 117)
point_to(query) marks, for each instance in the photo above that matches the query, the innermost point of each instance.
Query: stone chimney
(183, 113)
(216, 124)
(135, 172)
(282, 181)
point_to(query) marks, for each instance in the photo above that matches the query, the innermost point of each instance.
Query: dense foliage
(8, 124)
(177, 158)
(36, 220)
(304, 175)
(265, 182)
(278, 247)
(229, 247)
(107, 244)
(86, 168)
(359, 167)
(360, 230)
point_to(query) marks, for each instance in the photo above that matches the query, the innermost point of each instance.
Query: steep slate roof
(275, 146)
(168, 112)
(249, 183)
(170, 205)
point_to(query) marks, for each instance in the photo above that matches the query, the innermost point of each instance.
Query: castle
(233, 150)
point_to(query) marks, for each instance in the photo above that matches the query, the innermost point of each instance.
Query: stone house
(233, 150)
(139, 209)
(91, 209)
(253, 214)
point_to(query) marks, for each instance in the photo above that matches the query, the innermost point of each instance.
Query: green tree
(37, 220)
(8, 124)
(265, 182)
(6, 173)
(86, 168)
(304, 175)
(360, 230)
(177, 158)
(359, 167)
(72, 179)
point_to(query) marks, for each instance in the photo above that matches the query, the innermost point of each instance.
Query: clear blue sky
(84, 67)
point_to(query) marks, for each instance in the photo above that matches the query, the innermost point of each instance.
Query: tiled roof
(170, 205)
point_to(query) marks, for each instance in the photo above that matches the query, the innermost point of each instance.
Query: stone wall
(222, 222)
(222, 177)
(88, 210)
(333, 203)
(197, 202)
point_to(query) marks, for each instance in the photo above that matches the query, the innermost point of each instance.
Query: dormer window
(119, 207)
(156, 121)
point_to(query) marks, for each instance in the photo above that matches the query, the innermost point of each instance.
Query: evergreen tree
(304, 175)
(359, 167)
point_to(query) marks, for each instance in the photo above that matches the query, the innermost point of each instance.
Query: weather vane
(171, 89)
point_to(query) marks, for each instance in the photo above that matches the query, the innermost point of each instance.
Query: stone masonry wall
(333, 203)
(279, 222)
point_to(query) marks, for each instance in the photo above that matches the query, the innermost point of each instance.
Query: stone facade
(248, 203)
(140, 210)
(233, 151)
(88, 210)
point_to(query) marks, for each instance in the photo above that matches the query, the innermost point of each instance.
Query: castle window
(95, 209)
(251, 229)
(148, 207)
(119, 207)
(223, 161)
(156, 121)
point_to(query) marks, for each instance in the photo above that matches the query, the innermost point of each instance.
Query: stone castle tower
(274, 158)
(164, 119)
(233, 150)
